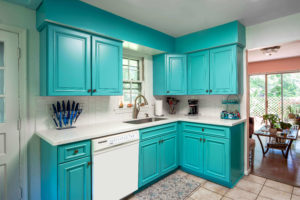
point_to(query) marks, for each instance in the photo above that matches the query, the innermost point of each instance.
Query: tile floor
(249, 188)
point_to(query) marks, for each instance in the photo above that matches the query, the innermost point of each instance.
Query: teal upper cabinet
(106, 67)
(198, 73)
(71, 66)
(216, 71)
(65, 62)
(169, 74)
(224, 70)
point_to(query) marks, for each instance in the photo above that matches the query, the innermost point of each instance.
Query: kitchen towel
(158, 107)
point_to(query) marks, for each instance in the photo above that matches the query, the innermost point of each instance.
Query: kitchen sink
(145, 120)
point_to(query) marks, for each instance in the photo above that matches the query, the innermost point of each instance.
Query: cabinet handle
(200, 139)
(210, 90)
(168, 91)
(202, 129)
(89, 90)
(89, 163)
(94, 90)
(76, 151)
(203, 140)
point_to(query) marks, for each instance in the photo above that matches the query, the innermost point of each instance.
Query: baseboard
(247, 172)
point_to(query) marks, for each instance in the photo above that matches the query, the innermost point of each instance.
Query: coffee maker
(193, 104)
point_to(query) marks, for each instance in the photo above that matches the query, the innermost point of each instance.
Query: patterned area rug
(173, 187)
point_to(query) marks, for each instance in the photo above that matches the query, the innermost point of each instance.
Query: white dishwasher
(115, 166)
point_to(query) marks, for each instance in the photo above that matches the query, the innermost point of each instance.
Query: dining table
(280, 140)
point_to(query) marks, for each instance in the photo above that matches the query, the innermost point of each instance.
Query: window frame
(141, 80)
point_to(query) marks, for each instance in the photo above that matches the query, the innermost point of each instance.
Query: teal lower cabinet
(158, 152)
(192, 154)
(215, 153)
(216, 158)
(66, 171)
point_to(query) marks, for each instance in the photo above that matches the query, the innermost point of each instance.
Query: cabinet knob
(206, 91)
(162, 141)
(210, 90)
(89, 163)
(89, 90)
(200, 139)
(203, 140)
(94, 90)
(76, 151)
(202, 129)
(168, 91)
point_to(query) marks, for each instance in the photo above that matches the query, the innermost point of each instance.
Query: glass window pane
(133, 63)
(125, 73)
(1, 54)
(126, 85)
(1, 81)
(125, 61)
(274, 94)
(133, 74)
(136, 85)
(291, 95)
(126, 96)
(257, 99)
(1, 110)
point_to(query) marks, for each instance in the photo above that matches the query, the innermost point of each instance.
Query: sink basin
(146, 120)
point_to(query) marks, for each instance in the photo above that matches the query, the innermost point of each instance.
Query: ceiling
(286, 50)
(180, 17)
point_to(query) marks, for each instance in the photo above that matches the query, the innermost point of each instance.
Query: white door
(9, 114)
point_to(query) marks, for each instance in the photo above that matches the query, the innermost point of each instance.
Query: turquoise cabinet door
(223, 70)
(198, 73)
(74, 180)
(148, 161)
(176, 75)
(216, 158)
(168, 153)
(69, 63)
(192, 155)
(106, 67)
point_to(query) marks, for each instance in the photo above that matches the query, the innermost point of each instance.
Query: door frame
(23, 102)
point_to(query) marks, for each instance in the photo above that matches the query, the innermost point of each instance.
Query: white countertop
(59, 137)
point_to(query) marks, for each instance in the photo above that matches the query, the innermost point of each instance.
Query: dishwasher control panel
(105, 142)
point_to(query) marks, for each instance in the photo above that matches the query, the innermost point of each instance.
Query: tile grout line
(261, 189)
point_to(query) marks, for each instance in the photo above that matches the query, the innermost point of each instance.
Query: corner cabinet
(66, 171)
(169, 74)
(158, 152)
(72, 65)
(215, 153)
(216, 71)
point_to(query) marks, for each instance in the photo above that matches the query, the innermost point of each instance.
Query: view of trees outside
(283, 93)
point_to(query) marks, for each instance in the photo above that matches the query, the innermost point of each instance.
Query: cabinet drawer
(206, 129)
(73, 151)
(157, 131)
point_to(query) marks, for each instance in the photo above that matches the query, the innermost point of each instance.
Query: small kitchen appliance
(193, 105)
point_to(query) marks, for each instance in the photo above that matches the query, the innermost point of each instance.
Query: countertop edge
(42, 134)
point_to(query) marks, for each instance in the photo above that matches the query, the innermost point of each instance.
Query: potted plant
(291, 115)
(273, 120)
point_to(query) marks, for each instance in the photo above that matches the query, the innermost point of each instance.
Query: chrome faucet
(136, 108)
